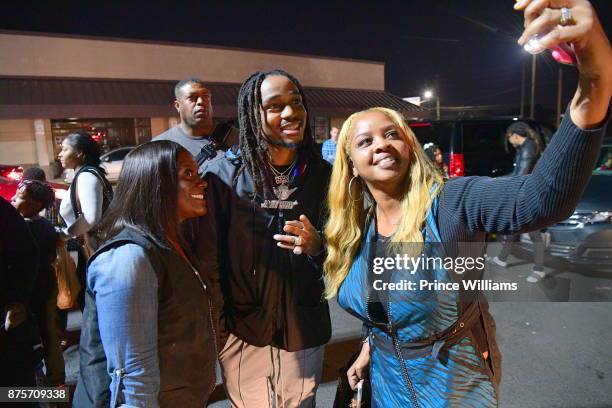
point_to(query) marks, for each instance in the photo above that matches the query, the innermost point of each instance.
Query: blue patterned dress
(438, 375)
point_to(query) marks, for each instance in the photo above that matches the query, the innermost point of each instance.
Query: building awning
(100, 98)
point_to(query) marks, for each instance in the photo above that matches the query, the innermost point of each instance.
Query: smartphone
(359, 394)
(564, 54)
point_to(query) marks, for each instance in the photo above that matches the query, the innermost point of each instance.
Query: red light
(13, 173)
(418, 125)
(98, 136)
(457, 165)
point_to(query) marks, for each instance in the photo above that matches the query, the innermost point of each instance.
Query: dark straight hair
(146, 195)
(83, 143)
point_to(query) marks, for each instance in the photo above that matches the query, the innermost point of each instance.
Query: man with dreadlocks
(267, 201)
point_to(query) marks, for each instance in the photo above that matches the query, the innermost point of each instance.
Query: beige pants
(255, 377)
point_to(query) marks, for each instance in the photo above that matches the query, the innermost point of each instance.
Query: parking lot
(556, 353)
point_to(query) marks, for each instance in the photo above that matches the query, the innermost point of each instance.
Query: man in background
(197, 132)
(329, 146)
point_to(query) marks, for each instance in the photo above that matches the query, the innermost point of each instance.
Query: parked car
(9, 179)
(474, 147)
(585, 237)
(10, 176)
(113, 161)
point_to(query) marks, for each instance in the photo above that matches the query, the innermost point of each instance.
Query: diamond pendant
(283, 191)
(281, 179)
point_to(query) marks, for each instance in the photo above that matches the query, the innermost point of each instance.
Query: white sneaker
(495, 260)
(536, 276)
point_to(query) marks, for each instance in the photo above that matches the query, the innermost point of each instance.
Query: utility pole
(522, 89)
(559, 94)
(533, 85)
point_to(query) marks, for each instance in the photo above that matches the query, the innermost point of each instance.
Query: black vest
(186, 339)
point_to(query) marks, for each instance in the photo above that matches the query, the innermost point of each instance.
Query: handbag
(68, 286)
(344, 392)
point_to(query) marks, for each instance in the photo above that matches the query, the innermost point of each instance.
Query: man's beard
(286, 145)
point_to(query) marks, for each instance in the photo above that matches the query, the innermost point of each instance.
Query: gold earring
(349, 189)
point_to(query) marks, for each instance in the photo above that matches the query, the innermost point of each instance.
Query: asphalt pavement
(556, 353)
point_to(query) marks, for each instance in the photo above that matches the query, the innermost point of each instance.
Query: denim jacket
(126, 298)
(147, 333)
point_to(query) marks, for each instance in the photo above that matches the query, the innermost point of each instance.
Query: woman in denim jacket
(147, 338)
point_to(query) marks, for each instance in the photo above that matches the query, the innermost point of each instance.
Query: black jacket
(526, 157)
(271, 296)
(186, 341)
(18, 272)
(18, 257)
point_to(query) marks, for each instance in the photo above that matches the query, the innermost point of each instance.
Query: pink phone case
(564, 54)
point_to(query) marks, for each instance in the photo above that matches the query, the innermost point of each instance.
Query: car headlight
(598, 217)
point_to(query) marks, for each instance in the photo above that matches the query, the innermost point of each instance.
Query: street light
(427, 95)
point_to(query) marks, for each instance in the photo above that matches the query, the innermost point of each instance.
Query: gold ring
(566, 17)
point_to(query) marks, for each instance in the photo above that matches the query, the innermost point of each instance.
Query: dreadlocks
(253, 142)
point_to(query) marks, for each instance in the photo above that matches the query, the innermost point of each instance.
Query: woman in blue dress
(437, 348)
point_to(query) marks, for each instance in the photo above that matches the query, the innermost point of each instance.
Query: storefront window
(321, 129)
(109, 133)
(143, 130)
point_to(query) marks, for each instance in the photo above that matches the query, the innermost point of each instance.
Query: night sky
(464, 49)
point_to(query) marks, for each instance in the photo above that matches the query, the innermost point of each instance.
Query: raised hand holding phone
(574, 23)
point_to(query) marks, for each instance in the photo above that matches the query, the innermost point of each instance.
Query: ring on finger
(297, 241)
(566, 17)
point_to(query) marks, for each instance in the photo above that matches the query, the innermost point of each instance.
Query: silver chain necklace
(282, 177)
